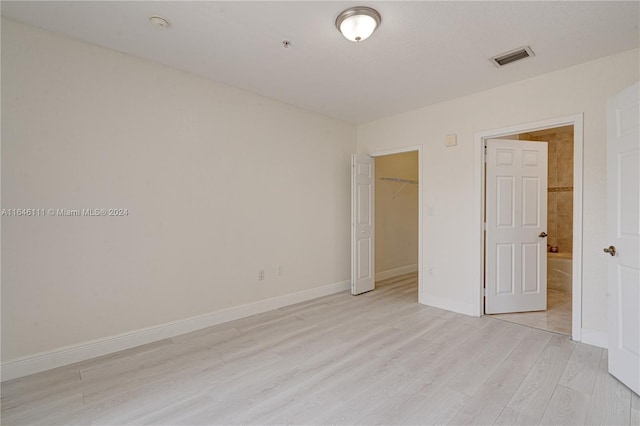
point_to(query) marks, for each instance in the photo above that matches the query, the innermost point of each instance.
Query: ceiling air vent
(512, 56)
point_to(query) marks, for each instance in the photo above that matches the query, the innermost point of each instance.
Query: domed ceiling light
(358, 23)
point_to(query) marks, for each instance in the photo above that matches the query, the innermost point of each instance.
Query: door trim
(418, 148)
(577, 120)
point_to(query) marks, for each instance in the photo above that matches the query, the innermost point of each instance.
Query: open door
(623, 229)
(516, 223)
(362, 224)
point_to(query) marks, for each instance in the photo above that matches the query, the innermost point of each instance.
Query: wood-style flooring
(556, 318)
(378, 358)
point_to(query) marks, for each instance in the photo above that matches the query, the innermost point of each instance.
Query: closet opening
(397, 195)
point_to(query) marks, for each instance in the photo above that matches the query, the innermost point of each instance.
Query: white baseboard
(397, 271)
(595, 338)
(450, 305)
(84, 351)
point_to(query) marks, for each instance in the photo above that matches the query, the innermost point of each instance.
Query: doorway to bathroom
(535, 273)
(559, 232)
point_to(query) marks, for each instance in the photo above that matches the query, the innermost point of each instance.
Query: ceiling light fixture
(358, 23)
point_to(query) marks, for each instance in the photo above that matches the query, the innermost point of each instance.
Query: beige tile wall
(560, 197)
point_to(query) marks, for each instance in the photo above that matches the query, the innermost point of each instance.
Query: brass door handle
(542, 234)
(611, 250)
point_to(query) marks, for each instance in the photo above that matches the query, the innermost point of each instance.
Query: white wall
(448, 183)
(396, 218)
(219, 183)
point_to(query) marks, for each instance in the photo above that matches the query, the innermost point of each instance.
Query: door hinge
(484, 291)
(485, 153)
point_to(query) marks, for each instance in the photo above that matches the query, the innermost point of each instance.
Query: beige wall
(219, 183)
(560, 185)
(396, 218)
(448, 181)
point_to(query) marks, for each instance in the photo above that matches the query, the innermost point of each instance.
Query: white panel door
(516, 223)
(623, 192)
(362, 224)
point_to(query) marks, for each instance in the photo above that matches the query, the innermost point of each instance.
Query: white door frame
(400, 151)
(576, 121)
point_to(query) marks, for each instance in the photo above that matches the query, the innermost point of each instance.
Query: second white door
(363, 276)
(623, 181)
(516, 226)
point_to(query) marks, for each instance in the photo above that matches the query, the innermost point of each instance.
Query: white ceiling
(423, 52)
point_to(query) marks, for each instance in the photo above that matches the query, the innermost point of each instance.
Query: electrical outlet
(261, 274)
(430, 271)
(280, 270)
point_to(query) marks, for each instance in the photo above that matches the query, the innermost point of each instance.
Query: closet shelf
(404, 183)
(415, 182)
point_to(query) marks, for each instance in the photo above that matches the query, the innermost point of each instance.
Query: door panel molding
(363, 276)
(516, 194)
(623, 232)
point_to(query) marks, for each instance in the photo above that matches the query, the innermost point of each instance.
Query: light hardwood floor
(378, 358)
(556, 318)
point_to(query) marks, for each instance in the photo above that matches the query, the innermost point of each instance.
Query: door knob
(611, 250)
(542, 234)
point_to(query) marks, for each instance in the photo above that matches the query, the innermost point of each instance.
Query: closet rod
(399, 180)
(404, 183)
